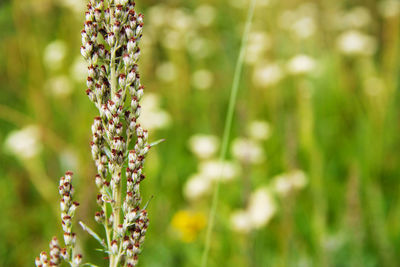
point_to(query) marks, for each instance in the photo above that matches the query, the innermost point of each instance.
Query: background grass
(339, 123)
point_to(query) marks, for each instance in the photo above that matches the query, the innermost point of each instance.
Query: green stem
(227, 128)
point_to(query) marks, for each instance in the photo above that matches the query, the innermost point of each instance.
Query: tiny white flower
(267, 75)
(282, 185)
(78, 70)
(202, 79)
(69, 159)
(356, 43)
(24, 143)
(156, 16)
(54, 54)
(285, 183)
(304, 27)
(196, 187)
(244, 3)
(59, 86)
(182, 20)
(199, 47)
(300, 64)
(389, 8)
(204, 146)
(261, 208)
(299, 179)
(173, 39)
(166, 72)
(240, 221)
(259, 130)
(357, 17)
(248, 151)
(258, 43)
(77, 6)
(205, 14)
(217, 170)
(152, 116)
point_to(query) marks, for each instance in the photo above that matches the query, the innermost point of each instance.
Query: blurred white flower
(258, 43)
(172, 39)
(304, 27)
(259, 130)
(78, 6)
(247, 151)
(240, 221)
(196, 187)
(24, 143)
(54, 54)
(261, 208)
(199, 47)
(300, 21)
(69, 159)
(356, 43)
(267, 75)
(202, 79)
(389, 8)
(205, 14)
(285, 183)
(59, 86)
(216, 170)
(152, 116)
(166, 71)
(300, 64)
(307, 9)
(156, 16)
(78, 70)
(203, 146)
(245, 3)
(357, 17)
(182, 20)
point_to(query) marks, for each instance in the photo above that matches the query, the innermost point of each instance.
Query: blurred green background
(312, 174)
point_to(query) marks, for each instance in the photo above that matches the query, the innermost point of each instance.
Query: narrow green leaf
(92, 233)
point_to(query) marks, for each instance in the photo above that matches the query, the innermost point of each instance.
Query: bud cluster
(110, 45)
(68, 208)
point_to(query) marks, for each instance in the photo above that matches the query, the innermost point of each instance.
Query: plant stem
(227, 128)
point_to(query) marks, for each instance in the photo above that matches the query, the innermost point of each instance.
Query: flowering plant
(110, 39)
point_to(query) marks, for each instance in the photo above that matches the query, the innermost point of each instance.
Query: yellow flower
(188, 224)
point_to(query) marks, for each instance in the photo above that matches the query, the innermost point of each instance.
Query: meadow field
(312, 173)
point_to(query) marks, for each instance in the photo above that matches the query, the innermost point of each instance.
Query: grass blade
(228, 127)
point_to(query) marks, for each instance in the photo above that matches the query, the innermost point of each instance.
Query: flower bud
(77, 260)
(97, 14)
(111, 39)
(128, 31)
(128, 61)
(98, 181)
(122, 80)
(131, 46)
(114, 247)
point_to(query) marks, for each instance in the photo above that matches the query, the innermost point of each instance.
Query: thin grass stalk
(228, 128)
